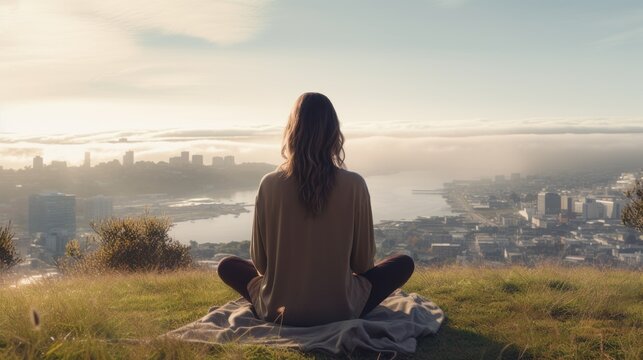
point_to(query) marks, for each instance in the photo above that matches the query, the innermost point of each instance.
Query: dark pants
(387, 275)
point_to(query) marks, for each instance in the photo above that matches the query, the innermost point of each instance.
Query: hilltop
(546, 312)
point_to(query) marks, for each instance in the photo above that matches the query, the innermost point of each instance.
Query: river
(391, 199)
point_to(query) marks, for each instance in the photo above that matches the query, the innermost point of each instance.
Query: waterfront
(391, 199)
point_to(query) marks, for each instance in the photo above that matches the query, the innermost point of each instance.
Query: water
(391, 199)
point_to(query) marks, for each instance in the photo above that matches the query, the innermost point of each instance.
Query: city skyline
(456, 153)
(459, 88)
(128, 159)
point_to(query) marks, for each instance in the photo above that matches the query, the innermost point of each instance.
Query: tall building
(592, 210)
(185, 157)
(500, 179)
(97, 208)
(128, 158)
(197, 160)
(548, 203)
(53, 215)
(88, 160)
(567, 204)
(612, 209)
(228, 161)
(515, 177)
(38, 163)
(217, 162)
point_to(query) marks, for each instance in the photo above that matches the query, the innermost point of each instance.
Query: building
(543, 221)
(176, 161)
(548, 203)
(128, 158)
(612, 208)
(567, 204)
(527, 213)
(197, 160)
(228, 161)
(88, 162)
(446, 250)
(515, 177)
(217, 162)
(625, 182)
(500, 179)
(185, 157)
(38, 163)
(54, 216)
(98, 208)
(592, 210)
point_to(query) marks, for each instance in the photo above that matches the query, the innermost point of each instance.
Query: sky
(437, 80)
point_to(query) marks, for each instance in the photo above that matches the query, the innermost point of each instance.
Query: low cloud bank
(393, 149)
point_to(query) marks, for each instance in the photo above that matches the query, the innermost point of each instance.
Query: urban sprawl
(499, 221)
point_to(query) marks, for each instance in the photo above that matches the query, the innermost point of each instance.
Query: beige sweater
(308, 263)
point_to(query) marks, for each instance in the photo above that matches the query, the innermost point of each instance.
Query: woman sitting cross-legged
(312, 240)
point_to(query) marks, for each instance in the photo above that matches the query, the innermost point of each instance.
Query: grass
(539, 313)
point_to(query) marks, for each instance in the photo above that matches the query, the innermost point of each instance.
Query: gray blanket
(392, 327)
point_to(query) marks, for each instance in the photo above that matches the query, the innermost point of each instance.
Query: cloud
(62, 48)
(222, 22)
(484, 127)
(391, 148)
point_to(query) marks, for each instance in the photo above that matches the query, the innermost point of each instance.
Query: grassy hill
(542, 313)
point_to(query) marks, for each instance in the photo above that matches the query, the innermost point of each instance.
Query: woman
(312, 240)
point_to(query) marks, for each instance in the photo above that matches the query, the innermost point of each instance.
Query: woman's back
(308, 260)
(313, 231)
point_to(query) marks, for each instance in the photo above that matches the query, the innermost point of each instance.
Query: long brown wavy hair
(313, 147)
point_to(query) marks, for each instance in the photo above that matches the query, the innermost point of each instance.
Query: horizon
(537, 87)
(450, 152)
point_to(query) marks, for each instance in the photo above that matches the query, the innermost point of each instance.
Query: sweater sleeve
(363, 249)
(257, 247)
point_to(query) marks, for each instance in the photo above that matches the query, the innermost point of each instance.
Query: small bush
(140, 243)
(8, 254)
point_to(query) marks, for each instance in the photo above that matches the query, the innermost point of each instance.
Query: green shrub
(140, 243)
(8, 254)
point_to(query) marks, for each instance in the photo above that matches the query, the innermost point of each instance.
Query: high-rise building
(567, 204)
(185, 157)
(38, 163)
(499, 179)
(97, 208)
(515, 177)
(592, 210)
(217, 162)
(228, 161)
(612, 209)
(197, 160)
(548, 203)
(128, 158)
(54, 215)
(88, 160)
